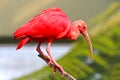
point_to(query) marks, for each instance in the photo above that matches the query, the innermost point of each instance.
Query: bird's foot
(59, 67)
(56, 66)
(52, 63)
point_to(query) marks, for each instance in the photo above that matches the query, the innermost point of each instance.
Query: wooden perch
(66, 74)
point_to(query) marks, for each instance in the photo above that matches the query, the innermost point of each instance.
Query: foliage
(106, 42)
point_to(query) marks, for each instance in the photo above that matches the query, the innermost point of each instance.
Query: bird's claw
(50, 63)
(55, 66)
(58, 67)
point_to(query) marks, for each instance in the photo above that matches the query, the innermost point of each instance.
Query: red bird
(51, 24)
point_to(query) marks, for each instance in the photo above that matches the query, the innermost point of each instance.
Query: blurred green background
(103, 19)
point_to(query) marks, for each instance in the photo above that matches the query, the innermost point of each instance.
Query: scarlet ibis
(51, 24)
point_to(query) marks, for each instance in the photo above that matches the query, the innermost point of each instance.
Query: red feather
(50, 23)
(22, 43)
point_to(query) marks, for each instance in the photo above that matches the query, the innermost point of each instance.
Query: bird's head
(81, 26)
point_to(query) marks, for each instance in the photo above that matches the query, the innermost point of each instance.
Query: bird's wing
(50, 23)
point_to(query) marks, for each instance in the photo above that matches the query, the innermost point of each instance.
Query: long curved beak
(86, 36)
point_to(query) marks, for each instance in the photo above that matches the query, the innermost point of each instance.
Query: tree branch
(66, 74)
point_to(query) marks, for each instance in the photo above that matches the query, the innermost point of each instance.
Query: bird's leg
(55, 64)
(42, 55)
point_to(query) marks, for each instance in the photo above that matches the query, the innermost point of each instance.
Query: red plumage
(51, 24)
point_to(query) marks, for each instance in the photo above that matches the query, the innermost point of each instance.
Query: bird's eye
(84, 27)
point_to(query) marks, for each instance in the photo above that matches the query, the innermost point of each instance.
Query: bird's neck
(72, 33)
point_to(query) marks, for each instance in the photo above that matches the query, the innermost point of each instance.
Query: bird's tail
(18, 34)
(23, 42)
